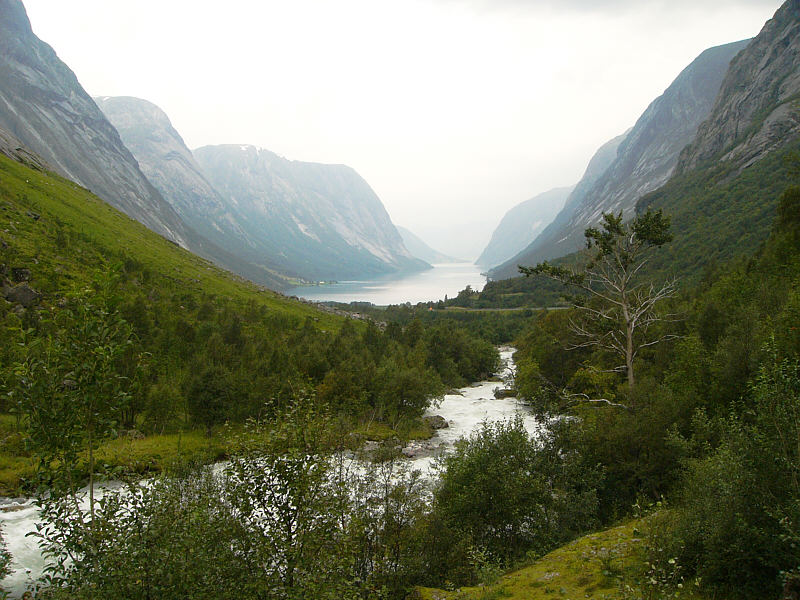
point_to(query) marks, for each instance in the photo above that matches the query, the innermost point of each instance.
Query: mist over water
(431, 285)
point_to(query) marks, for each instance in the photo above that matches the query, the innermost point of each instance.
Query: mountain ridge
(421, 250)
(44, 106)
(749, 121)
(520, 226)
(324, 222)
(645, 159)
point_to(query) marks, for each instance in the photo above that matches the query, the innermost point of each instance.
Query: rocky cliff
(170, 166)
(43, 105)
(758, 107)
(313, 220)
(644, 161)
(521, 225)
(14, 149)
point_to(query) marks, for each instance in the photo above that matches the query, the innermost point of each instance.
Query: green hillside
(718, 213)
(200, 347)
(78, 234)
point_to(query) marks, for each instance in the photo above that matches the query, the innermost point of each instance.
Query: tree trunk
(629, 354)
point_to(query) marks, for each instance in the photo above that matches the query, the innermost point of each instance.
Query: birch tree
(617, 308)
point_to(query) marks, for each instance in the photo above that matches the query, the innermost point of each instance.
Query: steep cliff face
(315, 221)
(758, 107)
(43, 105)
(170, 166)
(645, 160)
(14, 149)
(521, 225)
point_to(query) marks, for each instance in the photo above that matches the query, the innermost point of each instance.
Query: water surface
(431, 285)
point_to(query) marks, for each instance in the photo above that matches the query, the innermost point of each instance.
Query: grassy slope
(78, 234)
(593, 566)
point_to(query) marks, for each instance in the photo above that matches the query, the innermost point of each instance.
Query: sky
(454, 111)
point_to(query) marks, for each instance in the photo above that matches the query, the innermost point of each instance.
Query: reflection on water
(433, 284)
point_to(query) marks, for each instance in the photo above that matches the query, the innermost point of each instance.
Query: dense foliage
(711, 422)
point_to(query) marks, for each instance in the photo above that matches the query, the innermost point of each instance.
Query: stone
(23, 294)
(436, 422)
(33, 215)
(504, 393)
(20, 274)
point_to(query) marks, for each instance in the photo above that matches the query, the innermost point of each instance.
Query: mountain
(283, 217)
(315, 221)
(421, 250)
(170, 166)
(15, 150)
(758, 107)
(46, 109)
(548, 238)
(520, 226)
(723, 196)
(645, 160)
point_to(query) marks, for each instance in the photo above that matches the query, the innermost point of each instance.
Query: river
(430, 285)
(464, 412)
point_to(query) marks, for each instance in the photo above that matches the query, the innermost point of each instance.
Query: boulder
(436, 422)
(504, 393)
(20, 274)
(22, 294)
(409, 451)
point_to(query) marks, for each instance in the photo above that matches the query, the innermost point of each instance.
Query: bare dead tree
(617, 310)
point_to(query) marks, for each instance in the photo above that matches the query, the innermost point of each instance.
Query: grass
(593, 566)
(73, 233)
(151, 454)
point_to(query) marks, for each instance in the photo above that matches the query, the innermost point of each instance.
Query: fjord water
(429, 285)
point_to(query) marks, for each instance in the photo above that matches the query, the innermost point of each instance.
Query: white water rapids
(464, 412)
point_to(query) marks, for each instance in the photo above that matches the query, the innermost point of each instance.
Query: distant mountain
(645, 160)
(546, 243)
(315, 221)
(758, 106)
(46, 109)
(170, 166)
(423, 251)
(520, 226)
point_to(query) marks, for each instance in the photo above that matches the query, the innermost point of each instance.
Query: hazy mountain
(46, 109)
(312, 220)
(645, 160)
(546, 243)
(421, 250)
(520, 226)
(757, 107)
(170, 166)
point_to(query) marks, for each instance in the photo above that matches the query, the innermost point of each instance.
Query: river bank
(463, 411)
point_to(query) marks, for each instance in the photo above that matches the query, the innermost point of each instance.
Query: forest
(701, 447)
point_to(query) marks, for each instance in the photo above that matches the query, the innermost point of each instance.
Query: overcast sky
(453, 110)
